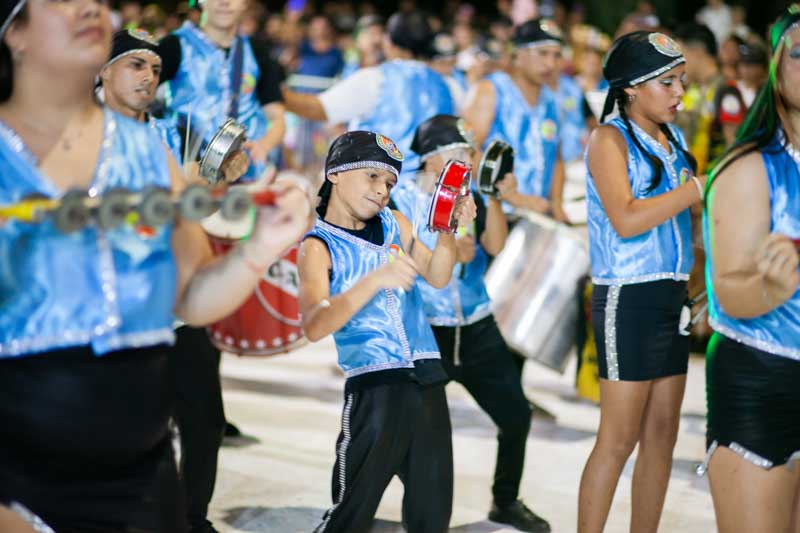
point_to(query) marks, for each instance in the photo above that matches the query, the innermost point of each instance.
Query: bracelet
(699, 186)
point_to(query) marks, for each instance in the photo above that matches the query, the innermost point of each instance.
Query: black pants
(84, 442)
(200, 417)
(487, 370)
(394, 429)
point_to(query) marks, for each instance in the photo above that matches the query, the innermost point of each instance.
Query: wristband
(699, 187)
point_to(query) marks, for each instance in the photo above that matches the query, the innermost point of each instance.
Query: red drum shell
(440, 217)
(455, 175)
(268, 322)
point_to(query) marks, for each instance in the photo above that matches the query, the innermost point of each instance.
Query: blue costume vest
(573, 120)
(533, 132)
(110, 289)
(391, 330)
(663, 252)
(778, 331)
(411, 93)
(464, 301)
(202, 88)
(169, 134)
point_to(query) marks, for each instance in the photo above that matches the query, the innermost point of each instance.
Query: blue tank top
(390, 331)
(169, 134)
(663, 252)
(202, 88)
(573, 120)
(776, 332)
(109, 289)
(411, 93)
(533, 132)
(464, 300)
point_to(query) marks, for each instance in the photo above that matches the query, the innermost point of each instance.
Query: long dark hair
(618, 94)
(768, 112)
(6, 61)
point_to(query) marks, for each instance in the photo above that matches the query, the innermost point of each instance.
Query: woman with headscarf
(640, 186)
(753, 359)
(85, 394)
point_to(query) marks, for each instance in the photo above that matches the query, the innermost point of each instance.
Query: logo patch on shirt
(388, 146)
(569, 104)
(665, 45)
(549, 130)
(142, 35)
(684, 176)
(248, 84)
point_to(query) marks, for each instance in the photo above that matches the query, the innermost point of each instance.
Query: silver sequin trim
(658, 72)
(612, 361)
(363, 164)
(27, 515)
(749, 456)
(142, 339)
(764, 346)
(451, 322)
(131, 52)
(341, 455)
(445, 148)
(641, 279)
(702, 468)
(374, 368)
(537, 44)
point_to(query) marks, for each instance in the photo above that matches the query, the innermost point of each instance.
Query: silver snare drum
(228, 139)
(534, 283)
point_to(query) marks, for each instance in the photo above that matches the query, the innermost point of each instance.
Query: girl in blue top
(639, 189)
(85, 395)
(753, 360)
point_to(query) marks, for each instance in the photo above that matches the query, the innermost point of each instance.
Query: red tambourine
(453, 184)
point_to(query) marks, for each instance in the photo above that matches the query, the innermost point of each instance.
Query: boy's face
(364, 191)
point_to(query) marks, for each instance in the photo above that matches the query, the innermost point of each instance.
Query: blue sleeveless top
(663, 252)
(533, 132)
(573, 120)
(202, 88)
(390, 331)
(776, 332)
(109, 289)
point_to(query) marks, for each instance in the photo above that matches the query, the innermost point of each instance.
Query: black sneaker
(231, 430)
(520, 517)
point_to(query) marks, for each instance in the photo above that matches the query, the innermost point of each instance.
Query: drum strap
(236, 77)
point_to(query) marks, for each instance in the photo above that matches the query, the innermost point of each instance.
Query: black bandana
(537, 32)
(636, 58)
(132, 41)
(440, 134)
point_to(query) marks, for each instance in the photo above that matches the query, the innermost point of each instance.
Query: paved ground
(278, 479)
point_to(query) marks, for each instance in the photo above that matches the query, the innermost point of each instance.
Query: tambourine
(497, 161)
(453, 184)
(152, 206)
(227, 141)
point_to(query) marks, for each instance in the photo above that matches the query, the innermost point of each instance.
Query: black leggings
(84, 442)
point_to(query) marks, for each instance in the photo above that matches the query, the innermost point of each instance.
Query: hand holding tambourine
(452, 203)
(506, 186)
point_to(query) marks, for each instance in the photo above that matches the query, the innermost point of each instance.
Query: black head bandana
(359, 149)
(126, 42)
(537, 32)
(636, 58)
(8, 12)
(439, 134)
(411, 31)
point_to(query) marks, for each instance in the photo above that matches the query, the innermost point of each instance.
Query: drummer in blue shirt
(640, 186)
(85, 394)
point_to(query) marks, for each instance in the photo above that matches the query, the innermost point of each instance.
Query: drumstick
(186, 142)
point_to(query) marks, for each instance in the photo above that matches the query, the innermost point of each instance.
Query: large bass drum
(534, 285)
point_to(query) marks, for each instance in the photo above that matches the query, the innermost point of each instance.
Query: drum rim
(214, 157)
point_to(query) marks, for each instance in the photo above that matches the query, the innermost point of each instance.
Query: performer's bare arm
(436, 267)
(479, 110)
(628, 215)
(260, 148)
(211, 288)
(755, 271)
(557, 191)
(323, 315)
(496, 232)
(304, 105)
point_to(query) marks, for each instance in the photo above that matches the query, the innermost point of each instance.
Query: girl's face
(789, 69)
(71, 35)
(658, 99)
(364, 192)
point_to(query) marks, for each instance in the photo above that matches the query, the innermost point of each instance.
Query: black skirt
(636, 330)
(84, 442)
(753, 402)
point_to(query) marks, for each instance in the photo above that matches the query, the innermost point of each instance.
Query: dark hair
(767, 114)
(411, 31)
(6, 61)
(655, 163)
(693, 33)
